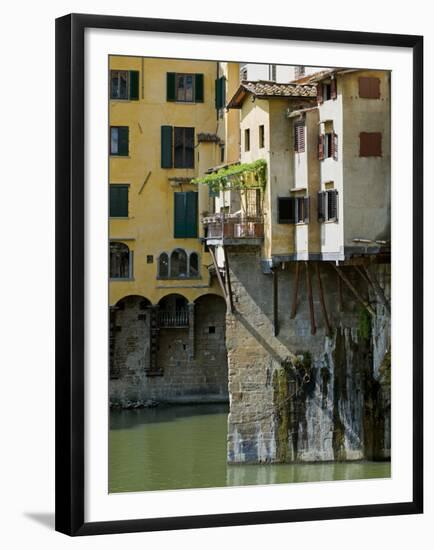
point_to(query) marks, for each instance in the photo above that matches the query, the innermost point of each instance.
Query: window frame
(130, 276)
(118, 186)
(112, 154)
(128, 85)
(246, 140)
(172, 276)
(261, 136)
(178, 76)
(184, 147)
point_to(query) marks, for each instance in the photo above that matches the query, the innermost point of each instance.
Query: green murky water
(184, 447)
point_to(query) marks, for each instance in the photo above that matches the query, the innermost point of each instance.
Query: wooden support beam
(322, 301)
(295, 291)
(219, 277)
(228, 281)
(340, 300)
(353, 290)
(363, 273)
(274, 271)
(310, 298)
(378, 290)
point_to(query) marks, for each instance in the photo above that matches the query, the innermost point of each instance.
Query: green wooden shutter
(223, 91)
(198, 88)
(123, 132)
(134, 85)
(179, 215)
(166, 146)
(185, 214)
(119, 201)
(191, 214)
(170, 87)
(220, 92)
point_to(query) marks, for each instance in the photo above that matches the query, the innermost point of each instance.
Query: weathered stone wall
(333, 403)
(190, 372)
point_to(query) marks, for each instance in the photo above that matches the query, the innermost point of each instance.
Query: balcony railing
(227, 227)
(173, 319)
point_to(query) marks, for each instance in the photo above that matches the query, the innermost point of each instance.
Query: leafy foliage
(238, 176)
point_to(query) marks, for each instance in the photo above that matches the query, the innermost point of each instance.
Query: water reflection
(185, 447)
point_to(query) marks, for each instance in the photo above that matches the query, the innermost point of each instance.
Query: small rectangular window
(261, 136)
(119, 140)
(328, 205)
(369, 87)
(302, 209)
(285, 210)
(370, 144)
(184, 87)
(118, 201)
(247, 140)
(124, 85)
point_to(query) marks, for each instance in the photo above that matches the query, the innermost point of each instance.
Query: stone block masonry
(301, 397)
(191, 362)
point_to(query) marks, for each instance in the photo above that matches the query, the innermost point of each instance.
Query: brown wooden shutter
(299, 137)
(321, 147)
(370, 144)
(333, 89)
(319, 93)
(369, 87)
(335, 146)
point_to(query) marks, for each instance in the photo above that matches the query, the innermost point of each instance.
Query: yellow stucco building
(168, 125)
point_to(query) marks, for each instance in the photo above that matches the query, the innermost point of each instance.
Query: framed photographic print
(238, 274)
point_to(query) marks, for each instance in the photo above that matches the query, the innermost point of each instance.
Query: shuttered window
(119, 140)
(299, 137)
(124, 85)
(285, 210)
(184, 147)
(369, 87)
(370, 144)
(220, 92)
(185, 214)
(185, 87)
(328, 205)
(119, 201)
(302, 209)
(328, 146)
(177, 147)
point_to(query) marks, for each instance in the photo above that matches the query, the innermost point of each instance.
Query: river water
(184, 447)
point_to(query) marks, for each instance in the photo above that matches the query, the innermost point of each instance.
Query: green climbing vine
(238, 176)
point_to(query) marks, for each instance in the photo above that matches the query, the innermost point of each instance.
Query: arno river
(182, 447)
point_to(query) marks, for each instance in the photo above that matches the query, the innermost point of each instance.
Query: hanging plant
(238, 176)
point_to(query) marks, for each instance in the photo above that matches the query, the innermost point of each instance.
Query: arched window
(178, 263)
(120, 261)
(194, 265)
(163, 265)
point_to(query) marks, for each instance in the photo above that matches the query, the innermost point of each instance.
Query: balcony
(173, 319)
(234, 229)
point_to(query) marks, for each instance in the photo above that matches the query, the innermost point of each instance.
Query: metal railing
(219, 226)
(173, 319)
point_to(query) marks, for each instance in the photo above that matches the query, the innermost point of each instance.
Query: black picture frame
(70, 283)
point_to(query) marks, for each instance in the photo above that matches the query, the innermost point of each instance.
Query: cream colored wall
(332, 233)
(253, 115)
(367, 180)
(281, 180)
(150, 221)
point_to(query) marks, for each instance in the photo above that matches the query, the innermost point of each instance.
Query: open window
(120, 261)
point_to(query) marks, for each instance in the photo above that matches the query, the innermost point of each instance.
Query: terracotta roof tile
(265, 89)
